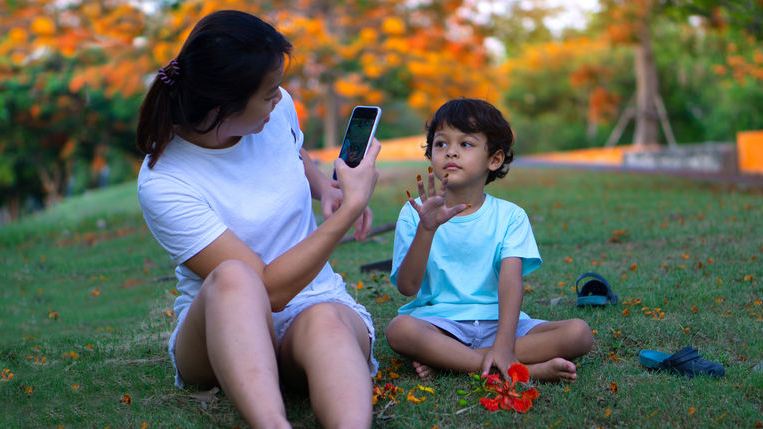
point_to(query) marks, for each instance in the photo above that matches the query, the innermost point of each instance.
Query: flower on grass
(6, 375)
(512, 394)
(126, 399)
(411, 397)
(389, 392)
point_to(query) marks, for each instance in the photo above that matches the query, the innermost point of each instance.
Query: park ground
(87, 293)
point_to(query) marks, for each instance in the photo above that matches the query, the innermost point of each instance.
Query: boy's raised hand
(432, 211)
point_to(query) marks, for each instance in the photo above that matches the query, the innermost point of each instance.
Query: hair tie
(169, 73)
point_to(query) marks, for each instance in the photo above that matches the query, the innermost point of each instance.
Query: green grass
(687, 246)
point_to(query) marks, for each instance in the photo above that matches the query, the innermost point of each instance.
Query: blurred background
(73, 74)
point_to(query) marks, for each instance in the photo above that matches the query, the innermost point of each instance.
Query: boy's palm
(432, 211)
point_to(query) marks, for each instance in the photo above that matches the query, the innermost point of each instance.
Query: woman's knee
(323, 318)
(234, 277)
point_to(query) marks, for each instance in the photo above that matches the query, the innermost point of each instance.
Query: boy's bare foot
(424, 372)
(556, 369)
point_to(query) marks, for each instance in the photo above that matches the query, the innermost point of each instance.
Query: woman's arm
(328, 193)
(288, 274)
(318, 181)
(510, 295)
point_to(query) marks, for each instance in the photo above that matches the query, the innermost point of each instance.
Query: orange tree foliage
(367, 52)
(70, 77)
(72, 74)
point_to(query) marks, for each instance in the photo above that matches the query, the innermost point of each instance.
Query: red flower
(493, 379)
(490, 404)
(521, 405)
(519, 372)
(511, 394)
(531, 394)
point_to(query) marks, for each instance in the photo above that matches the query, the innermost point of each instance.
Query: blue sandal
(686, 361)
(595, 292)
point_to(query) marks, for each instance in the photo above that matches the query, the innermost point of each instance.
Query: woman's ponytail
(155, 125)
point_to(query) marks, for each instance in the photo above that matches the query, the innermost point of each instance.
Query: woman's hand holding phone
(331, 200)
(357, 185)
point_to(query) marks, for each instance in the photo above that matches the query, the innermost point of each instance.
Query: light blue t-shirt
(461, 279)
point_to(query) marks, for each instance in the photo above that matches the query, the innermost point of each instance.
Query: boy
(463, 253)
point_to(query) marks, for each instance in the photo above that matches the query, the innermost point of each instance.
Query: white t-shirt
(256, 188)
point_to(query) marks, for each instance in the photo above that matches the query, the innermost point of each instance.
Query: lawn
(87, 294)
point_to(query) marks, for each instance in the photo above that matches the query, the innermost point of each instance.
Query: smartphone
(359, 134)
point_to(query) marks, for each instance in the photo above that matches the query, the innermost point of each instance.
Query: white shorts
(479, 334)
(282, 320)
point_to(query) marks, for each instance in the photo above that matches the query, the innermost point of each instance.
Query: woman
(226, 189)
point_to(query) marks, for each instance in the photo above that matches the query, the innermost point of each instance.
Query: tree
(58, 62)
(630, 22)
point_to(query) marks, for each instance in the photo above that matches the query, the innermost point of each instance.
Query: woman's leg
(328, 344)
(426, 344)
(227, 338)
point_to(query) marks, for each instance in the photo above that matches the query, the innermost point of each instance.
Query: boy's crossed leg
(545, 349)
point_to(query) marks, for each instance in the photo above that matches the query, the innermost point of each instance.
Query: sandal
(686, 361)
(595, 292)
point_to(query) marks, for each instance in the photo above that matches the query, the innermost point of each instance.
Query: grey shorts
(479, 334)
(282, 320)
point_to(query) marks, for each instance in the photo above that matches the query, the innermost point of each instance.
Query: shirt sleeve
(180, 220)
(519, 242)
(405, 230)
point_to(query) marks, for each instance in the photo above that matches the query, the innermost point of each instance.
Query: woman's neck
(209, 140)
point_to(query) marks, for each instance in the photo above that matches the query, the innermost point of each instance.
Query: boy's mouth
(452, 166)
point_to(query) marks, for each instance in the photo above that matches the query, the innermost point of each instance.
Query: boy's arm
(414, 265)
(510, 294)
(432, 213)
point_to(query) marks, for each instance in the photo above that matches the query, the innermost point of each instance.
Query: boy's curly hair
(474, 116)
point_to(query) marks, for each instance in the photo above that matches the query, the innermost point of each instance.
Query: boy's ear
(496, 160)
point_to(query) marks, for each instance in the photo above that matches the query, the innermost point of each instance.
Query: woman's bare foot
(424, 372)
(556, 369)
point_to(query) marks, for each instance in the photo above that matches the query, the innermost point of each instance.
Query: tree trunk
(51, 184)
(647, 88)
(330, 138)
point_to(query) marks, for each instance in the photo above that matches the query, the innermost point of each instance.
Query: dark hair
(221, 64)
(472, 116)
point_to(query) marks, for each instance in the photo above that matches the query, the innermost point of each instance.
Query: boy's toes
(556, 369)
(423, 371)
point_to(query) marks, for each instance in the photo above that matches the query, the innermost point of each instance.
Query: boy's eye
(439, 144)
(466, 144)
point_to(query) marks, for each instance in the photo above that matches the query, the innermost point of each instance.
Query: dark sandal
(686, 361)
(595, 292)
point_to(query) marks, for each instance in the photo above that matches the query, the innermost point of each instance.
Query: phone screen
(358, 135)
